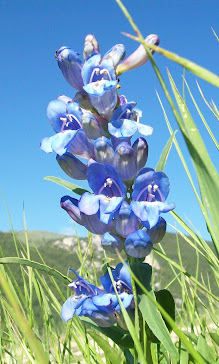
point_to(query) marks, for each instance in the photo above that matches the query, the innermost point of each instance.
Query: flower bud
(90, 46)
(125, 220)
(138, 244)
(140, 148)
(158, 231)
(104, 152)
(125, 161)
(116, 53)
(91, 127)
(71, 66)
(84, 101)
(139, 57)
(72, 166)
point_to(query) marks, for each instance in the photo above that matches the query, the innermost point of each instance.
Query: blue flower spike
(127, 197)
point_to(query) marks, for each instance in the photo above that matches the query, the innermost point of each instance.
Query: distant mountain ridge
(60, 251)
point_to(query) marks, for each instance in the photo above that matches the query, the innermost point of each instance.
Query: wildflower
(149, 196)
(91, 222)
(101, 306)
(65, 117)
(109, 192)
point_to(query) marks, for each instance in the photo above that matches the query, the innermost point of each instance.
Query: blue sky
(31, 31)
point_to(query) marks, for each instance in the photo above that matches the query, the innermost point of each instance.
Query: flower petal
(125, 221)
(72, 166)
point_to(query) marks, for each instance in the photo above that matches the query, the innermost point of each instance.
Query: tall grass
(195, 333)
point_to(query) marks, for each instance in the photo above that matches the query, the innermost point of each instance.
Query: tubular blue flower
(72, 166)
(92, 223)
(103, 308)
(71, 67)
(103, 150)
(140, 148)
(111, 243)
(122, 279)
(100, 83)
(65, 117)
(138, 244)
(149, 194)
(125, 122)
(73, 141)
(139, 57)
(109, 192)
(64, 114)
(99, 75)
(125, 221)
(125, 161)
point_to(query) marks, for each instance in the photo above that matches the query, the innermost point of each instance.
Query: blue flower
(65, 117)
(102, 307)
(109, 192)
(125, 122)
(149, 196)
(91, 222)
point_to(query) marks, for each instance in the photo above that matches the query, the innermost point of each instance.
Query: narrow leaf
(165, 153)
(42, 267)
(207, 175)
(155, 322)
(70, 186)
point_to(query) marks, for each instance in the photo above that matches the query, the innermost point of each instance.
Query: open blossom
(100, 306)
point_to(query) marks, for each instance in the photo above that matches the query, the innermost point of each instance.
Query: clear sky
(31, 31)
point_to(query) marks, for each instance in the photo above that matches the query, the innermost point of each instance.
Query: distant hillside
(37, 236)
(60, 252)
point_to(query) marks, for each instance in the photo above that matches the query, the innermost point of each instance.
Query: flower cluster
(101, 306)
(96, 126)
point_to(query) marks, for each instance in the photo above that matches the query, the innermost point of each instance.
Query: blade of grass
(44, 268)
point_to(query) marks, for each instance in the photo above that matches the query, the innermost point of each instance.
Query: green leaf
(129, 357)
(165, 153)
(143, 272)
(121, 337)
(42, 267)
(165, 299)
(204, 350)
(110, 353)
(70, 186)
(214, 337)
(155, 322)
